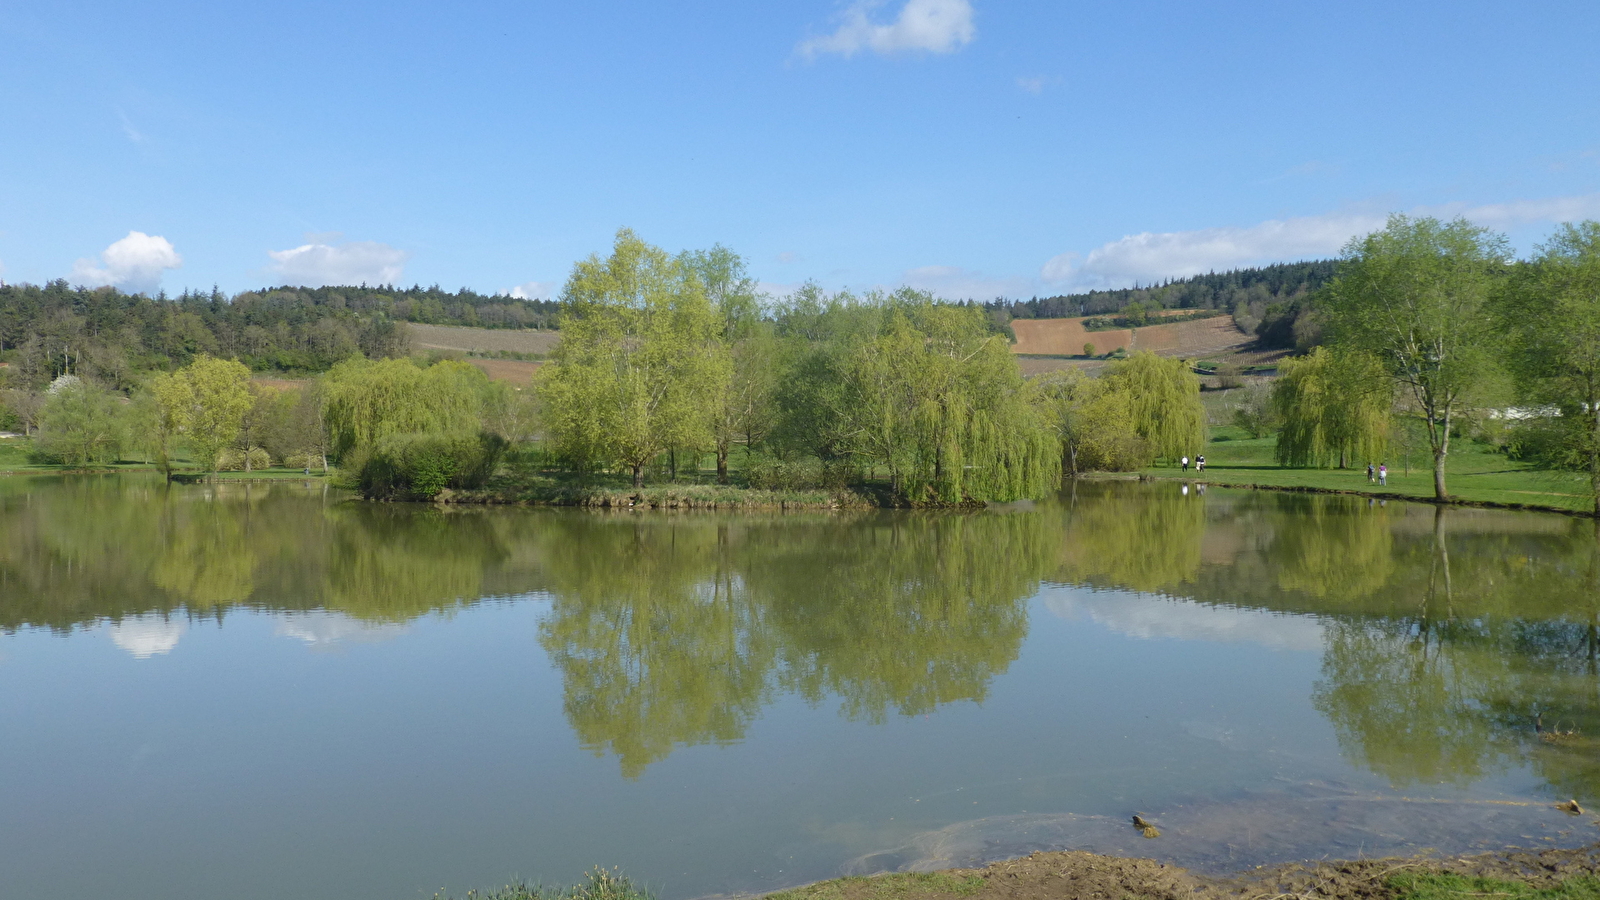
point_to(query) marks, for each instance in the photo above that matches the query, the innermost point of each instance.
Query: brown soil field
(1066, 337)
(481, 340)
(282, 384)
(1077, 874)
(516, 371)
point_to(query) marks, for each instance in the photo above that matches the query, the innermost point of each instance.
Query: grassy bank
(1475, 473)
(616, 493)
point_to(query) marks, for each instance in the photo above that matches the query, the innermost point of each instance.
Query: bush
(234, 460)
(769, 473)
(419, 466)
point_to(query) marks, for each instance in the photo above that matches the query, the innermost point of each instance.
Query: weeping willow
(1335, 407)
(369, 401)
(940, 402)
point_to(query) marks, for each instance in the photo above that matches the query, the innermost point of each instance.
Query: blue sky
(970, 147)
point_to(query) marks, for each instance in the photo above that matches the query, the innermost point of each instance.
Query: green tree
(1416, 295)
(363, 402)
(638, 363)
(80, 423)
(1551, 311)
(937, 398)
(162, 412)
(1164, 396)
(740, 402)
(1094, 420)
(1255, 412)
(1334, 405)
(211, 397)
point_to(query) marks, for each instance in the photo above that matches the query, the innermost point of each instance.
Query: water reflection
(1454, 643)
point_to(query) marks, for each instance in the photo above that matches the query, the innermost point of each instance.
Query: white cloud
(533, 290)
(356, 262)
(147, 636)
(788, 257)
(1154, 618)
(1034, 84)
(321, 630)
(956, 283)
(134, 263)
(1523, 212)
(938, 26)
(1149, 257)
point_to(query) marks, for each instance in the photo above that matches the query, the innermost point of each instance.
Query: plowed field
(1066, 337)
(481, 340)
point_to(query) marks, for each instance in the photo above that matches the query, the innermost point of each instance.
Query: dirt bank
(1077, 874)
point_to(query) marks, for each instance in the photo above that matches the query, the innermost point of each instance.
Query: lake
(267, 691)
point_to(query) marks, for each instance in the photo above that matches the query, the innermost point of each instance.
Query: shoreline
(1049, 875)
(1313, 489)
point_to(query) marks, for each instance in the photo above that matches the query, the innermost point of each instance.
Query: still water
(275, 691)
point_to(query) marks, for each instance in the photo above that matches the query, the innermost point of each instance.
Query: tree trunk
(672, 462)
(638, 475)
(722, 464)
(1441, 449)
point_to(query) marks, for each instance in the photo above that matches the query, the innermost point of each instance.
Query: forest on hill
(112, 336)
(1266, 301)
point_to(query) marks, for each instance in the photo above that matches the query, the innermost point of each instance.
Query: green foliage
(1334, 406)
(1244, 292)
(1550, 310)
(80, 423)
(1164, 402)
(1093, 419)
(1416, 295)
(367, 401)
(1254, 411)
(420, 466)
(111, 336)
(599, 884)
(640, 363)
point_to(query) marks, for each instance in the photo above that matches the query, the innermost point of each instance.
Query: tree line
(117, 338)
(667, 361)
(1263, 300)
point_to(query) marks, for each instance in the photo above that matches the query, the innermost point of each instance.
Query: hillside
(1066, 337)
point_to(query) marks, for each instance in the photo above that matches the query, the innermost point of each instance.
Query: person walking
(1370, 474)
(1199, 463)
(1383, 474)
(1185, 462)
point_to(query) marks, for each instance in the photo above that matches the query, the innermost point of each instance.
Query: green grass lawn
(1459, 887)
(1474, 472)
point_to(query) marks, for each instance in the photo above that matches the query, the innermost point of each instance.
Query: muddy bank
(1078, 874)
(1310, 839)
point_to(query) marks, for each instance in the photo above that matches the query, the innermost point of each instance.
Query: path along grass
(1475, 473)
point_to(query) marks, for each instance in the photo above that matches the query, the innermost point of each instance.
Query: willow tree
(1334, 405)
(938, 399)
(1164, 399)
(638, 363)
(367, 401)
(1416, 295)
(1093, 418)
(1552, 314)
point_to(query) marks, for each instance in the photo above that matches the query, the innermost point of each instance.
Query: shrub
(234, 460)
(419, 466)
(769, 473)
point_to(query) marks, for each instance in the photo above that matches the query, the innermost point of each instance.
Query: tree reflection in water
(1459, 642)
